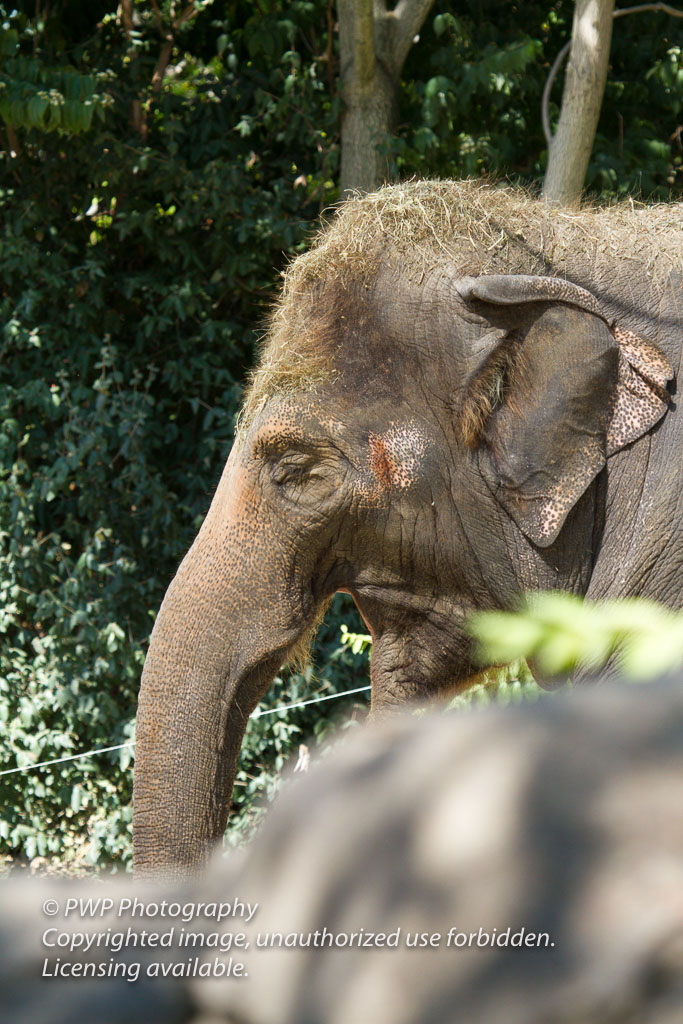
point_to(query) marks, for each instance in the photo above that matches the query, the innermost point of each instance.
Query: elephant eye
(292, 467)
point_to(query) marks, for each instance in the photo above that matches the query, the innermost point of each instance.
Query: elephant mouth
(414, 658)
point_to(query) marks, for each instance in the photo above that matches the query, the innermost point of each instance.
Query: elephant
(464, 394)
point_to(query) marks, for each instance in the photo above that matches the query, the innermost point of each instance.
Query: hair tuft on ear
(484, 392)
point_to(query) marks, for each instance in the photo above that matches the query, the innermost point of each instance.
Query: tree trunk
(374, 44)
(366, 124)
(584, 86)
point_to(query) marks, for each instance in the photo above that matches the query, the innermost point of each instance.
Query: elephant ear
(552, 400)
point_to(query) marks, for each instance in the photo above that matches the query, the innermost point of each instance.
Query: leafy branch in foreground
(561, 632)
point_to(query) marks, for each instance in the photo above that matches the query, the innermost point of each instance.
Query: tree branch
(545, 101)
(186, 15)
(557, 63)
(167, 49)
(329, 51)
(357, 40)
(664, 8)
(13, 144)
(408, 17)
(373, 44)
(157, 16)
(162, 63)
(124, 16)
(139, 111)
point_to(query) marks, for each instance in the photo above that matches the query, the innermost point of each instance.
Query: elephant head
(420, 433)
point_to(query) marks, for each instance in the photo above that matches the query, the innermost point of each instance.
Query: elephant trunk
(192, 713)
(209, 663)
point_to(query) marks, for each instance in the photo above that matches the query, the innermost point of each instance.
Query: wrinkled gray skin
(557, 817)
(366, 485)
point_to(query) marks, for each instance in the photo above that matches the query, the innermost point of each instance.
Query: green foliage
(505, 684)
(37, 94)
(357, 642)
(561, 633)
(142, 232)
(136, 269)
(471, 98)
(271, 741)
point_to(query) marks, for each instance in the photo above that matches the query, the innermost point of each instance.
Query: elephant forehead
(395, 456)
(295, 419)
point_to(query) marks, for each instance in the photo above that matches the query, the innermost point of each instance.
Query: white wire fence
(122, 746)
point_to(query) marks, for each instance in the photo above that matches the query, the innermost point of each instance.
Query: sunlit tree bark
(374, 43)
(584, 86)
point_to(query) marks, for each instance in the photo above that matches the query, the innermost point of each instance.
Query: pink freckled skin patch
(395, 457)
(381, 464)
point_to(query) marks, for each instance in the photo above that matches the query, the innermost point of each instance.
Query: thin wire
(122, 746)
(303, 703)
(71, 757)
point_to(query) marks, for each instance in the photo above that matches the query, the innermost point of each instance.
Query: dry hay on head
(475, 226)
(482, 228)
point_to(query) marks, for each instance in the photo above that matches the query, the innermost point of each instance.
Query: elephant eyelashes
(291, 469)
(306, 477)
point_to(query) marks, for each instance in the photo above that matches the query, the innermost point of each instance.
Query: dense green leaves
(271, 741)
(472, 98)
(34, 96)
(136, 270)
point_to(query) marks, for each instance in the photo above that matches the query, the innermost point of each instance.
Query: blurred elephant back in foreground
(516, 866)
